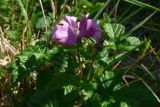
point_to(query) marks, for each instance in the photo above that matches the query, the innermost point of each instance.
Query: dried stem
(5, 45)
(55, 6)
(63, 9)
(23, 39)
(53, 10)
(45, 21)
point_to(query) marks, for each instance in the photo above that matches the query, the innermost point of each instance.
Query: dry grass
(7, 50)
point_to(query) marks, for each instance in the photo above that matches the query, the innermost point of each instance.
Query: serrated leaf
(39, 55)
(63, 79)
(130, 43)
(114, 31)
(133, 41)
(42, 99)
(94, 101)
(58, 59)
(27, 61)
(53, 94)
(87, 94)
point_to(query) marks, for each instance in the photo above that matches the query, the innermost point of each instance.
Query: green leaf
(56, 56)
(129, 44)
(116, 81)
(114, 31)
(40, 23)
(107, 78)
(54, 93)
(39, 56)
(94, 101)
(43, 79)
(27, 61)
(133, 41)
(88, 89)
(63, 79)
(134, 95)
(42, 99)
(123, 104)
(12, 35)
(85, 3)
(105, 19)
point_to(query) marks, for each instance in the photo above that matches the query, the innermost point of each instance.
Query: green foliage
(135, 95)
(45, 74)
(53, 93)
(118, 40)
(40, 23)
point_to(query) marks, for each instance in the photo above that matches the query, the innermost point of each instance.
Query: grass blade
(141, 4)
(141, 23)
(97, 15)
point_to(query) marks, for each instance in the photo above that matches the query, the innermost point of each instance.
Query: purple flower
(68, 31)
(89, 28)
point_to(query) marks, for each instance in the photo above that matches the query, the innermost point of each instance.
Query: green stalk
(24, 13)
(141, 4)
(142, 22)
(97, 15)
(79, 60)
(130, 15)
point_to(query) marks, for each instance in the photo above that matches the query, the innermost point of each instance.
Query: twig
(115, 66)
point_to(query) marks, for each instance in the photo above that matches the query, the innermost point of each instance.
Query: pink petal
(65, 32)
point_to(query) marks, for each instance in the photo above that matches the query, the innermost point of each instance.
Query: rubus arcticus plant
(85, 71)
(81, 65)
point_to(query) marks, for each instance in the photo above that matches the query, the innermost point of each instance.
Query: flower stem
(91, 73)
(79, 60)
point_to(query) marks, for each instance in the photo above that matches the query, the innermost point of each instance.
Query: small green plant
(68, 58)
(84, 75)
